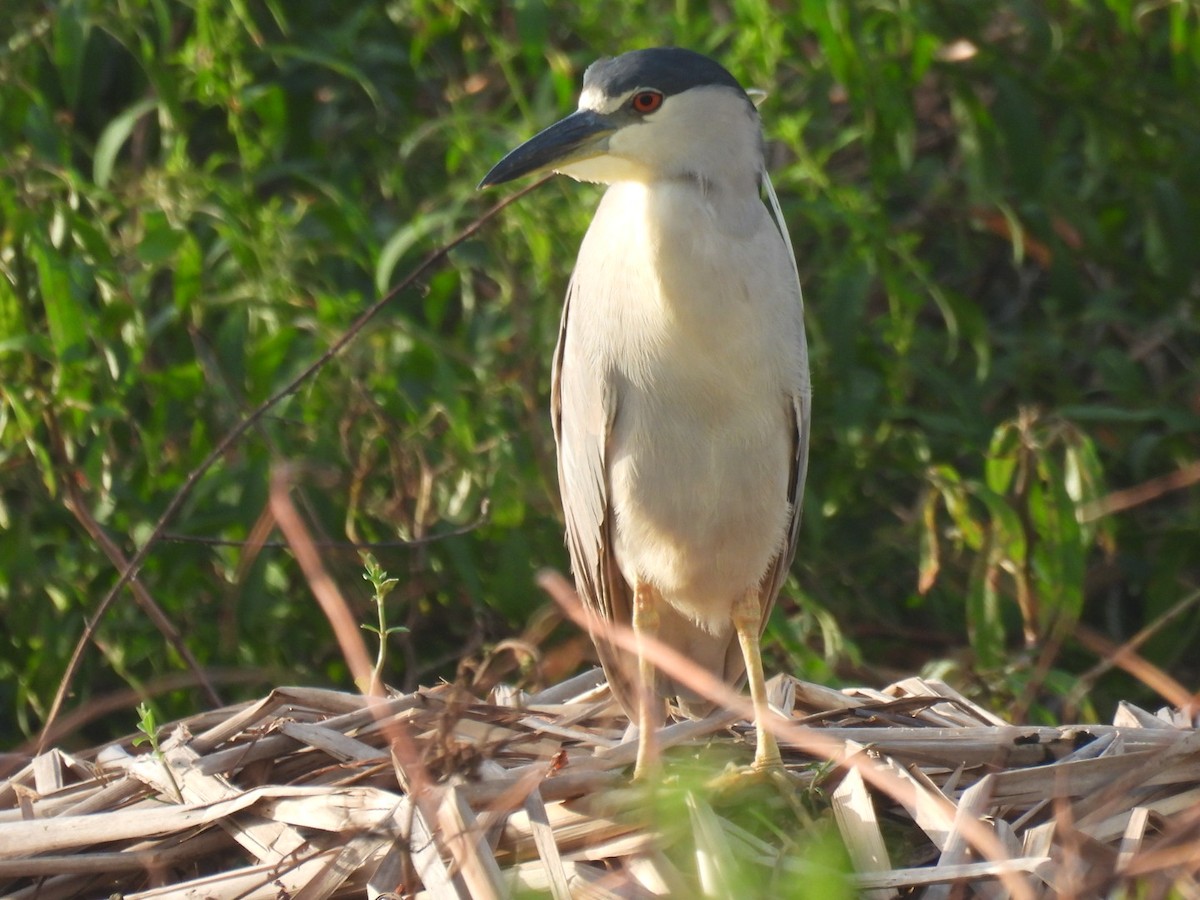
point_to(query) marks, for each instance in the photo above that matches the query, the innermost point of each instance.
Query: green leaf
(114, 136)
(160, 240)
(404, 239)
(985, 622)
(30, 434)
(1007, 534)
(60, 281)
(1001, 462)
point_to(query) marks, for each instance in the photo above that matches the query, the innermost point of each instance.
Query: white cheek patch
(594, 99)
(591, 98)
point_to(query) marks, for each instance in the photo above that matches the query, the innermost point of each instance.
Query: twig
(1119, 501)
(1109, 661)
(1125, 657)
(333, 604)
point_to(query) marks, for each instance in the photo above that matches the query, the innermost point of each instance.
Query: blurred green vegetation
(994, 206)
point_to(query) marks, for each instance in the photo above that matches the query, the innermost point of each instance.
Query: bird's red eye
(646, 101)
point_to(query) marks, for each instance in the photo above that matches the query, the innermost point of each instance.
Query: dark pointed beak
(581, 135)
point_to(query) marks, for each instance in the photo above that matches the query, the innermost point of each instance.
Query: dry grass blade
(543, 837)
(855, 813)
(465, 838)
(714, 857)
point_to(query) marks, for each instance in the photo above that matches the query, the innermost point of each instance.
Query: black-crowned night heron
(680, 391)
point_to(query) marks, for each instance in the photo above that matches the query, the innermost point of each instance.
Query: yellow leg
(747, 620)
(645, 622)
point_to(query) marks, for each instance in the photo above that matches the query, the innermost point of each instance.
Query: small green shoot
(382, 585)
(148, 726)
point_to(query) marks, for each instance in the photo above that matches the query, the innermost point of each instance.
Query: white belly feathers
(698, 475)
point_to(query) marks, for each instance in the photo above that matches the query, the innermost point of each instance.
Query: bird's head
(648, 115)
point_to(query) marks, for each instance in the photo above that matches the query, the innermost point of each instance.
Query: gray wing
(801, 404)
(778, 572)
(583, 406)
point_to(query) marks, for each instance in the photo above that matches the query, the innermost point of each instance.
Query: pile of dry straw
(315, 793)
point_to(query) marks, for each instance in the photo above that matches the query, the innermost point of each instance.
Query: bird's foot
(736, 778)
(645, 772)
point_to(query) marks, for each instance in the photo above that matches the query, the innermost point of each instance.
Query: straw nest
(316, 793)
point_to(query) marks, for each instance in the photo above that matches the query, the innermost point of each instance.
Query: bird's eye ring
(646, 101)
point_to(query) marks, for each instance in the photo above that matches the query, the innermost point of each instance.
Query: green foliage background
(995, 207)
